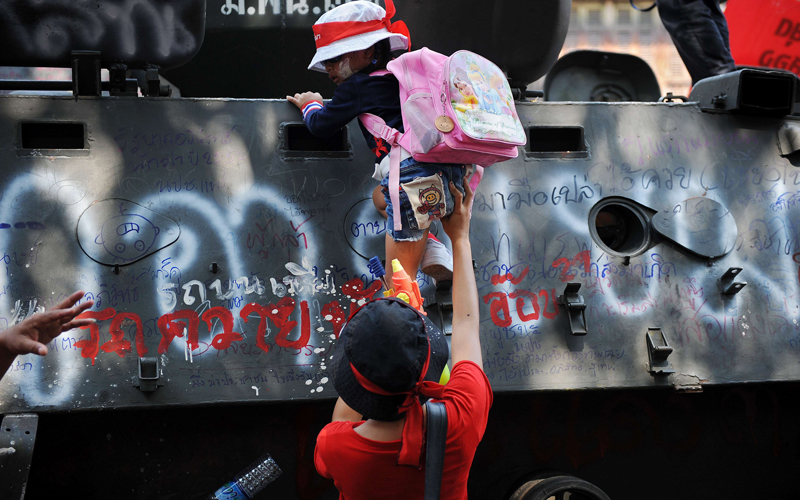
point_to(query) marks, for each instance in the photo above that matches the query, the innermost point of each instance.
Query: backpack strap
(376, 126)
(434, 449)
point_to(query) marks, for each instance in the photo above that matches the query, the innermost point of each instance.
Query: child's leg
(379, 200)
(409, 253)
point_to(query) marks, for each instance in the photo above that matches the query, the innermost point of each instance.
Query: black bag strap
(434, 449)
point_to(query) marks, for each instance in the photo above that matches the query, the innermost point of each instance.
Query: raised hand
(31, 335)
(456, 225)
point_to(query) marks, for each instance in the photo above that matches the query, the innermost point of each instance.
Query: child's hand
(456, 225)
(300, 100)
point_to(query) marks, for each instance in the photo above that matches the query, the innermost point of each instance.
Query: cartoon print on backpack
(493, 116)
(468, 100)
(431, 202)
(490, 100)
(506, 99)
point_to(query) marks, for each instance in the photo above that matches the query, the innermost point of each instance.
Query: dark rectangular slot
(51, 135)
(769, 95)
(298, 142)
(556, 142)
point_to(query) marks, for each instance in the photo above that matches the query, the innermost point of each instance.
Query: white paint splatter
(328, 317)
(324, 380)
(321, 329)
(319, 389)
(255, 389)
(345, 71)
(308, 382)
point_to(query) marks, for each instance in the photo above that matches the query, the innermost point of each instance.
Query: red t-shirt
(363, 469)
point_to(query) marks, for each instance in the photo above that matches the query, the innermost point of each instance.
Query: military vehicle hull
(224, 249)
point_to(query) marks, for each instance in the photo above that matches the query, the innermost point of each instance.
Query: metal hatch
(698, 224)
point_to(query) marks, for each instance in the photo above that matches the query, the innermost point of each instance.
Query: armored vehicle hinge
(658, 350)
(153, 87)
(149, 375)
(440, 310)
(119, 83)
(86, 73)
(17, 437)
(728, 285)
(576, 307)
(522, 94)
(670, 97)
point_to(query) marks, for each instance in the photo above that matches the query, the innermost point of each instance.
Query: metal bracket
(86, 73)
(153, 87)
(148, 374)
(670, 98)
(658, 350)
(440, 311)
(728, 285)
(718, 101)
(120, 84)
(17, 437)
(576, 307)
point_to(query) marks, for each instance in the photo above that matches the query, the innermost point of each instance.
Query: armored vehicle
(637, 262)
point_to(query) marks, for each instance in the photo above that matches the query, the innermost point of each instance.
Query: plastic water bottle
(250, 481)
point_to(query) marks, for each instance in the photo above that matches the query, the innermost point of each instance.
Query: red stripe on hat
(327, 33)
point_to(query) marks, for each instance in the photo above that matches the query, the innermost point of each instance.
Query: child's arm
(305, 99)
(324, 120)
(31, 335)
(301, 100)
(465, 343)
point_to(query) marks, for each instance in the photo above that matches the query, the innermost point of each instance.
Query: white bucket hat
(356, 26)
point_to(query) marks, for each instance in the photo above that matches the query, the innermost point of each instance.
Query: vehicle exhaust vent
(748, 92)
(556, 142)
(298, 143)
(52, 135)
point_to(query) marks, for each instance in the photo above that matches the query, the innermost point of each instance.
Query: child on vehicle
(354, 40)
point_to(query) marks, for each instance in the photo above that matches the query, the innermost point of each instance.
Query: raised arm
(465, 343)
(31, 335)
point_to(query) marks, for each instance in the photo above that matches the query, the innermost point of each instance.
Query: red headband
(327, 33)
(413, 428)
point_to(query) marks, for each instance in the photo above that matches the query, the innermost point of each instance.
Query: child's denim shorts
(424, 196)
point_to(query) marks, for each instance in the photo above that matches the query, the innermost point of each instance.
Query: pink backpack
(456, 109)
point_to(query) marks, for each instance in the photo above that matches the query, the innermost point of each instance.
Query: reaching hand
(456, 225)
(31, 335)
(300, 100)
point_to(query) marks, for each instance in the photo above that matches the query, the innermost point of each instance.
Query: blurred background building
(615, 26)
